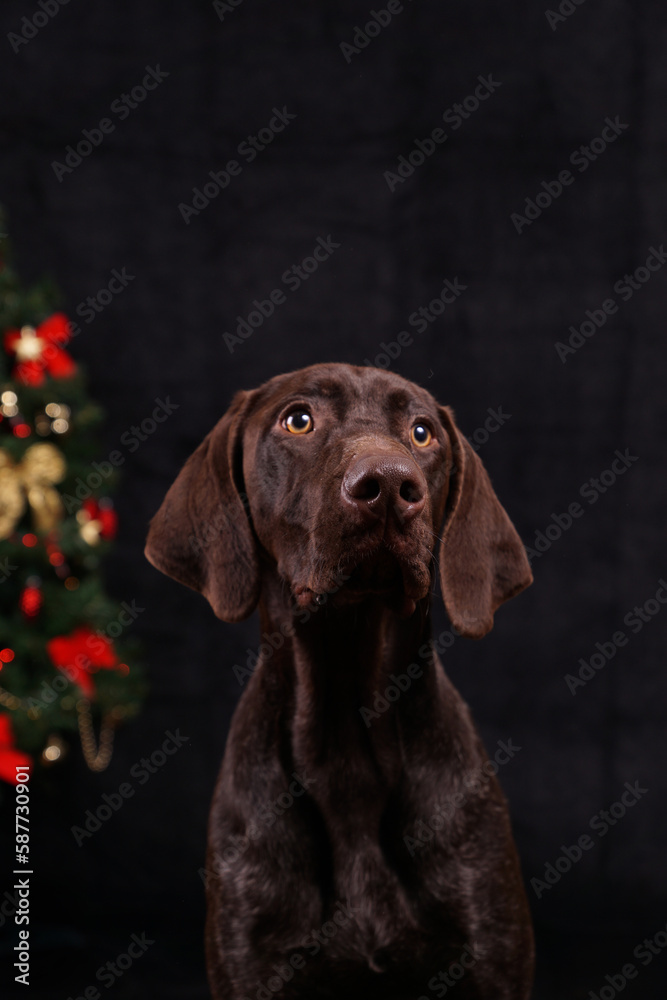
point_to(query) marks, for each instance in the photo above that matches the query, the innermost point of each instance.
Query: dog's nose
(378, 485)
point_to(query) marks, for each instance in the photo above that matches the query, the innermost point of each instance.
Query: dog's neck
(347, 666)
(352, 687)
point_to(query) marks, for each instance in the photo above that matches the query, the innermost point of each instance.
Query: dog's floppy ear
(482, 559)
(201, 535)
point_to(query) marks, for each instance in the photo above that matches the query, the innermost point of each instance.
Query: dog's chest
(354, 799)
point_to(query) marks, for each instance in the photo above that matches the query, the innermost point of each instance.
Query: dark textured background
(162, 337)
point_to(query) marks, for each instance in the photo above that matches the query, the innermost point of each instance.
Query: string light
(54, 749)
(31, 598)
(9, 400)
(60, 414)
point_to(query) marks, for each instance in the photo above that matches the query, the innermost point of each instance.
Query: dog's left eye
(298, 422)
(421, 435)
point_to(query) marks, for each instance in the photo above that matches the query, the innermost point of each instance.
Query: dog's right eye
(298, 422)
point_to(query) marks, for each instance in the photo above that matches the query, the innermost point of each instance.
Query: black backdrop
(551, 84)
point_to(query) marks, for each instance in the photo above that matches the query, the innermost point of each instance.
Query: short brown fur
(318, 887)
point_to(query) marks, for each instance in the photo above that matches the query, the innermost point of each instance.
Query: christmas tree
(64, 656)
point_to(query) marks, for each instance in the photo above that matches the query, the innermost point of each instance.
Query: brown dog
(321, 496)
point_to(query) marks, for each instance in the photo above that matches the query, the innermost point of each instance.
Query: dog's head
(344, 478)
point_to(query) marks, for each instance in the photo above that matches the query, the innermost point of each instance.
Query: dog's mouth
(377, 573)
(380, 574)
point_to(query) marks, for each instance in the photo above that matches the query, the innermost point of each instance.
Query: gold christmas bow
(32, 480)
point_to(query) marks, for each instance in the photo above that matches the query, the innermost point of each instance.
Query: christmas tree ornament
(39, 352)
(26, 345)
(108, 518)
(12, 499)
(11, 759)
(98, 521)
(57, 560)
(80, 653)
(31, 599)
(90, 528)
(59, 672)
(31, 480)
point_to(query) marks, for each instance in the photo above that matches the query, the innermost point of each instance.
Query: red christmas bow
(41, 350)
(77, 653)
(10, 757)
